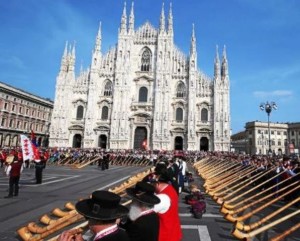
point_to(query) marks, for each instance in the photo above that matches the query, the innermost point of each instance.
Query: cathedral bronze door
(102, 141)
(77, 141)
(203, 144)
(140, 138)
(178, 143)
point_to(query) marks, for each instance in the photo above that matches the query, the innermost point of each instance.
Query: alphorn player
(103, 212)
(13, 170)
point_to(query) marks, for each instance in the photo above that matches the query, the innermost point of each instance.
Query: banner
(29, 150)
(26, 148)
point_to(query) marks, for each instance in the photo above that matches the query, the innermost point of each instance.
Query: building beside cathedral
(143, 93)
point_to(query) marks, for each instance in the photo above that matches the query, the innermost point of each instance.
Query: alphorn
(215, 170)
(230, 217)
(249, 227)
(26, 235)
(225, 198)
(215, 175)
(248, 236)
(88, 163)
(236, 181)
(231, 174)
(201, 164)
(34, 232)
(34, 228)
(226, 208)
(286, 233)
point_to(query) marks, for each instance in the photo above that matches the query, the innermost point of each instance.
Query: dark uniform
(39, 166)
(14, 171)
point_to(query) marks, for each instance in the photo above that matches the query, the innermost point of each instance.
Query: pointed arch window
(79, 114)
(143, 94)
(179, 114)
(104, 113)
(146, 60)
(204, 114)
(181, 90)
(108, 88)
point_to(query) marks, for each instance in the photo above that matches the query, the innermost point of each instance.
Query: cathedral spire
(98, 40)
(170, 21)
(73, 50)
(224, 68)
(66, 50)
(162, 19)
(131, 19)
(123, 28)
(193, 42)
(64, 59)
(217, 63)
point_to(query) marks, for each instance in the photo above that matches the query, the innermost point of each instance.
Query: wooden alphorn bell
(226, 208)
(27, 235)
(248, 236)
(227, 187)
(251, 226)
(286, 233)
(34, 228)
(231, 218)
(226, 197)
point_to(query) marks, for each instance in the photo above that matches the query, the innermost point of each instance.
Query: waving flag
(33, 138)
(29, 150)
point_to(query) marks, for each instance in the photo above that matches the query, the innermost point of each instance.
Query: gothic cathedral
(143, 94)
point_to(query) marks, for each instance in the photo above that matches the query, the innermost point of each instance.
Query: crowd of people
(154, 199)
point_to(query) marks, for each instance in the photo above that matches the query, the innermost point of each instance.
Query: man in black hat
(144, 222)
(103, 212)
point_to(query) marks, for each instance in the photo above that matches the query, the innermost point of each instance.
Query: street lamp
(268, 108)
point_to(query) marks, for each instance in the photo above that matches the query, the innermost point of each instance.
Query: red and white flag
(29, 150)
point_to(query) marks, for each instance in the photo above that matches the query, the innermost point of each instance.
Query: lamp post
(268, 108)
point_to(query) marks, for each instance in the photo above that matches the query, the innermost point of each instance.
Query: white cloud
(273, 94)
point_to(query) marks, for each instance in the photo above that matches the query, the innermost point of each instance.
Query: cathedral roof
(146, 33)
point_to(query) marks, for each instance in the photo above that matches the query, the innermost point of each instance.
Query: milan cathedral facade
(143, 93)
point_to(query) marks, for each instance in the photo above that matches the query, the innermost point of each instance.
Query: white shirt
(164, 205)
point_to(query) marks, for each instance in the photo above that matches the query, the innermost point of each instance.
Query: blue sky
(262, 39)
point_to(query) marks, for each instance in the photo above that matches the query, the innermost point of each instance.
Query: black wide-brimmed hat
(103, 205)
(162, 172)
(144, 193)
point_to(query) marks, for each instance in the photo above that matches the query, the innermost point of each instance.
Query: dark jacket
(145, 228)
(119, 235)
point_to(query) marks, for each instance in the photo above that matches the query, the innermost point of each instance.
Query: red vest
(169, 223)
(15, 169)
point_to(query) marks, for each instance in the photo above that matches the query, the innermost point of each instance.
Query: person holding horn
(103, 212)
(13, 170)
(141, 213)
